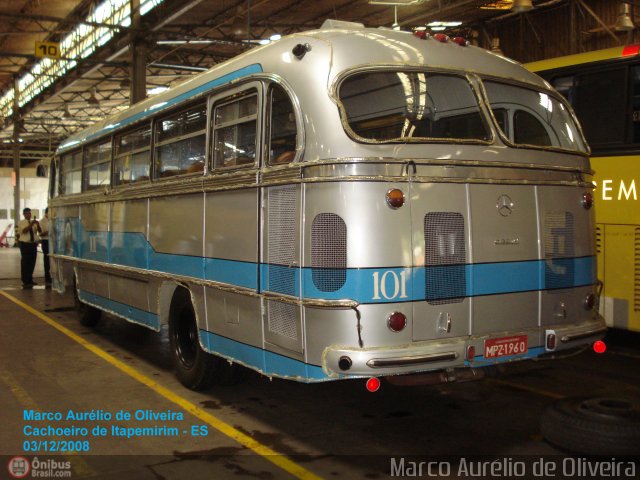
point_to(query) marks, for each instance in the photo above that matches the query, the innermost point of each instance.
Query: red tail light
(471, 353)
(599, 346)
(587, 200)
(441, 37)
(396, 321)
(373, 384)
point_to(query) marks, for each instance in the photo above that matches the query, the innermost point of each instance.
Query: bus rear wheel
(195, 368)
(87, 315)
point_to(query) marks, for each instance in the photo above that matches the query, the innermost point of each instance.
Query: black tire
(594, 426)
(87, 315)
(195, 368)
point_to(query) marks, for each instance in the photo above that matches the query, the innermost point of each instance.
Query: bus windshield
(391, 106)
(530, 117)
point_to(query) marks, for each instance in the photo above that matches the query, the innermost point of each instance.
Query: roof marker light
(460, 41)
(630, 50)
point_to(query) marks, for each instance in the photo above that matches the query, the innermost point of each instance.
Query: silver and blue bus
(342, 203)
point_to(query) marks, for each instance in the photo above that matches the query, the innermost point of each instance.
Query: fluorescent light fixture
(184, 42)
(157, 90)
(443, 25)
(395, 2)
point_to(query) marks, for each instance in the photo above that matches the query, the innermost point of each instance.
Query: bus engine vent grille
(559, 235)
(445, 257)
(328, 252)
(282, 251)
(283, 319)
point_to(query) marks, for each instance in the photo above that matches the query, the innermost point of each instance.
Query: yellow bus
(603, 87)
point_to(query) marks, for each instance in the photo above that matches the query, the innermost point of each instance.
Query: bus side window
(283, 131)
(97, 167)
(235, 124)
(53, 178)
(132, 156)
(527, 130)
(180, 142)
(71, 173)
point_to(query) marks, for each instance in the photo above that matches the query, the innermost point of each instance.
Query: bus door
(440, 253)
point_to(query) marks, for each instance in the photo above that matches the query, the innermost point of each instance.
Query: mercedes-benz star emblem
(505, 205)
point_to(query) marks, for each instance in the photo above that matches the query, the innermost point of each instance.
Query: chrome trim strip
(405, 361)
(580, 336)
(343, 304)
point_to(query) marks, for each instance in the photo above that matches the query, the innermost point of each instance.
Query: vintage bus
(603, 88)
(342, 203)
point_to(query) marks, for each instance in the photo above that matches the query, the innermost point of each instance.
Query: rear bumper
(451, 353)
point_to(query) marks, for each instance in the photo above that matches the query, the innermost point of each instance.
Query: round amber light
(395, 198)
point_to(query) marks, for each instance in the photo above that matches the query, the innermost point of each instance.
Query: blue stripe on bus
(127, 311)
(268, 363)
(367, 285)
(229, 77)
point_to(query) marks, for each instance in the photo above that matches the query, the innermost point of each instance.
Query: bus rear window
(530, 117)
(406, 106)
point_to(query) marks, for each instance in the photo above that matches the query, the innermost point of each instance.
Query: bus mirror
(300, 50)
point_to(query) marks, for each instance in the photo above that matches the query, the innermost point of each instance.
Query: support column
(138, 49)
(16, 153)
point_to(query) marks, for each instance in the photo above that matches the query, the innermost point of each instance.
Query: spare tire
(594, 425)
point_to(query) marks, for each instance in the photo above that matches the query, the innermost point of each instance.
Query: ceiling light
(624, 22)
(520, 6)
(93, 100)
(395, 2)
(157, 90)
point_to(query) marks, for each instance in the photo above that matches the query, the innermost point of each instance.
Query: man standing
(43, 233)
(26, 235)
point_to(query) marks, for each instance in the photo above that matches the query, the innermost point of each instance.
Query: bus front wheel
(195, 368)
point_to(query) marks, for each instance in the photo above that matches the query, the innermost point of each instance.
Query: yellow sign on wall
(47, 50)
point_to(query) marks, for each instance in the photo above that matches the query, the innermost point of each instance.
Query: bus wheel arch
(88, 315)
(195, 368)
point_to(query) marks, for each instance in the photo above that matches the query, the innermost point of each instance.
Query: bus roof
(346, 47)
(582, 58)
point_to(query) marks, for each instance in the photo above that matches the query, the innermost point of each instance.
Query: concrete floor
(333, 430)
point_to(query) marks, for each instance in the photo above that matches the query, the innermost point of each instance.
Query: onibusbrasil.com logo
(20, 467)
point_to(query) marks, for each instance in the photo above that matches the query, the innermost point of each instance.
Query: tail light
(599, 346)
(589, 301)
(550, 341)
(587, 200)
(396, 321)
(373, 384)
(471, 353)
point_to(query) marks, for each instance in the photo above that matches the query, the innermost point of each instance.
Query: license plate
(505, 346)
